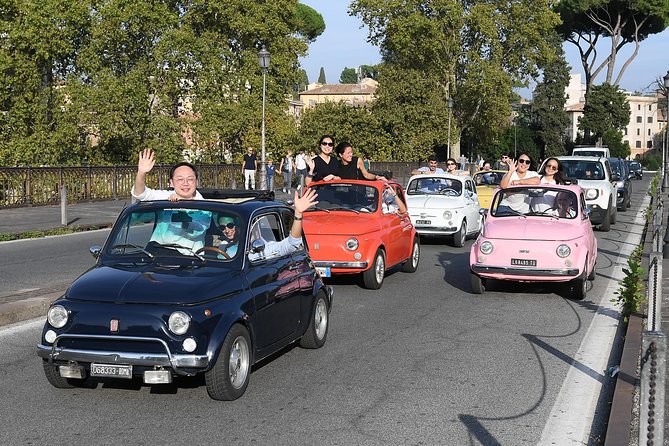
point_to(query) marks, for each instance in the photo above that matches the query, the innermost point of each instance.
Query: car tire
(579, 286)
(228, 378)
(606, 224)
(592, 274)
(373, 278)
(53, 376)
(460, 236)
(410, 265)
(317, 331)
(478, 284)
(614, 215)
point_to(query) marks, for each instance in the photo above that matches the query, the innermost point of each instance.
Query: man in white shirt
(183, 178)
(301, 167)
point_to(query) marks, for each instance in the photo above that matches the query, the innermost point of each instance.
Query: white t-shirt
(542, 204)
(300, 162)
(158, 194)
(519, 202)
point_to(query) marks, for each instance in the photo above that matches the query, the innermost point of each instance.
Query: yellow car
(487, 181)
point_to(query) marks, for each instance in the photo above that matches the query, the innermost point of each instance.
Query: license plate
(111, 371)
(324, 271)
(523, 262)
(423, 222)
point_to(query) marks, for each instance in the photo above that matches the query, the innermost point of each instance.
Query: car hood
(340, 223)
(592, 184)
(433, 202)
(154, 284)
(530, 228)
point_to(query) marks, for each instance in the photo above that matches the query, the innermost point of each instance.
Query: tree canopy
(605, 108)
(348, 76)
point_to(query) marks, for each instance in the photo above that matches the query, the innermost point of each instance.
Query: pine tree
(321, 77)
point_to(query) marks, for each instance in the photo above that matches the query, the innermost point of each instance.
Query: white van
(592, 151)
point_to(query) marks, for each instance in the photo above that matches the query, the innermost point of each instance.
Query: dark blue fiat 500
(186, 288)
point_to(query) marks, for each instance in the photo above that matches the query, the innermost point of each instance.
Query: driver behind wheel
(228, 242)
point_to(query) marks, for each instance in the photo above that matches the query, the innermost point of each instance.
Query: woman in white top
(519, 173)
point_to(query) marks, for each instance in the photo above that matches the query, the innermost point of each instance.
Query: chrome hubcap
(321, 319)
(380, 268)
(238, 363)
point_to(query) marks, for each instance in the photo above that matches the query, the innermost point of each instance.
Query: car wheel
(373, 277)
(629, 201)
(53, 376)
(614, 215)
(591, 276)
(228, 379)
(579, 286)
(460, 236)
(410, 265)
(317, 331)
(478, 284)
(606, 224)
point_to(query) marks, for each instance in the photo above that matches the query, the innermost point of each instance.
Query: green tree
(370, 71)
(548, 103)
(308, 22)
(605, 108)
(321, 76)
(470, 51)
(613, 139)
(585, 22)
(356, 125)
(348, 76)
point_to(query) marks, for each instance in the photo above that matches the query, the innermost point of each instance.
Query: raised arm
(366, 173)
(144, 166)
(301, 204)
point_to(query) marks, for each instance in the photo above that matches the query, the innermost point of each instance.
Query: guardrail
(35, 186)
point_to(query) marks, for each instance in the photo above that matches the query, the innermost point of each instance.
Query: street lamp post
(448, 141)
(263, 60)
(665, 141)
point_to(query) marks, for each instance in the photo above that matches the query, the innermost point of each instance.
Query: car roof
(441, 175)
(581, 158)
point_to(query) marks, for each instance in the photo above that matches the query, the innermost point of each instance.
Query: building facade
(360, 94)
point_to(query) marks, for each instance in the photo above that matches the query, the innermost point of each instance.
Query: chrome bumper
(174, 361)
(519, 271)
(325, 263)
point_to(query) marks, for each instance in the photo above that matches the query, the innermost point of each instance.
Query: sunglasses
(450, 164)
(521, 161)
(230, 225)
(551, 166)
(329, 144)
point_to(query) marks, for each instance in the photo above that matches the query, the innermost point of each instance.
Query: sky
(344, 44)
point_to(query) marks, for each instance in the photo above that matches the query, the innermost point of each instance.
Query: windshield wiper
(317, 208)
(344, 209)
(130, 245)
(178, 247)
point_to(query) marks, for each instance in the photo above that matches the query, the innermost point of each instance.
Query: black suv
(624, 195)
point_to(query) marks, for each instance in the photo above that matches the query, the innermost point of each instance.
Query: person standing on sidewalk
(286, 168)
(270, 169)
(249, 167)
(301, 168)
(183, 178)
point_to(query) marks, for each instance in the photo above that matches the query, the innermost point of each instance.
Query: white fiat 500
(444, 205)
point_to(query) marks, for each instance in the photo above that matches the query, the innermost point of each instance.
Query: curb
(13, 312)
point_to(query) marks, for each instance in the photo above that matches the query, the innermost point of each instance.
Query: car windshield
(434, 186)
(182, 232)
(346, 197)
(583, 169)
(536, 202)
(616, 166)
(635, 166)
(491, 178)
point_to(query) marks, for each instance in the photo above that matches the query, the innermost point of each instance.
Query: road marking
(570, 420)
(19, 327)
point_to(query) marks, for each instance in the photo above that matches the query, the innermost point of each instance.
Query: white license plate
(523, 262)
(324, 271)
(423, 222)
(111, 371)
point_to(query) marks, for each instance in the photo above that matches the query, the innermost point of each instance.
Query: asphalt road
(422, 361)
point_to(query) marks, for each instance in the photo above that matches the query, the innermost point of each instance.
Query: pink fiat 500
(538, 233)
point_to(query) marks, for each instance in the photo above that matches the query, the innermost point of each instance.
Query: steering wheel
(213, 249)
(448, 191)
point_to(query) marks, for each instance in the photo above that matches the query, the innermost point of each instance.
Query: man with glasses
(430, 168)
(183, 179)
(501, 163)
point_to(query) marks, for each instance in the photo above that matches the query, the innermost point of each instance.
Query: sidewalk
(19, 306)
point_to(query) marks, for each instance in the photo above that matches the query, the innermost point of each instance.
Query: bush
(652, 161)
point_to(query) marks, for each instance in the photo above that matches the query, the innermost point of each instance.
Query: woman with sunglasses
(519, 172)
(229, 242)
(452, 168)
(323, 166)
(351, 167)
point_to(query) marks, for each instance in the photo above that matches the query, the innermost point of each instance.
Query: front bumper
(520, 273)
(598, 215)
(340, 265)
(177, 362)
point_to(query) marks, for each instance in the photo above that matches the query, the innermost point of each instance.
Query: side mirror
(95, 251)
(615, 177)
(257, 246)
(483, 211)
(586, 212)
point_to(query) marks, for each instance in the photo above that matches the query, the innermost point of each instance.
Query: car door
(399, 240)
(302, 267)
(471, 205)
(274, 283)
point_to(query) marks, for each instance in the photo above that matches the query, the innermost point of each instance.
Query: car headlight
(352, 244)
(57, 316)
(178, 322)
(486, 247)
(563, 251)
(591, 194)
(448, 215)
